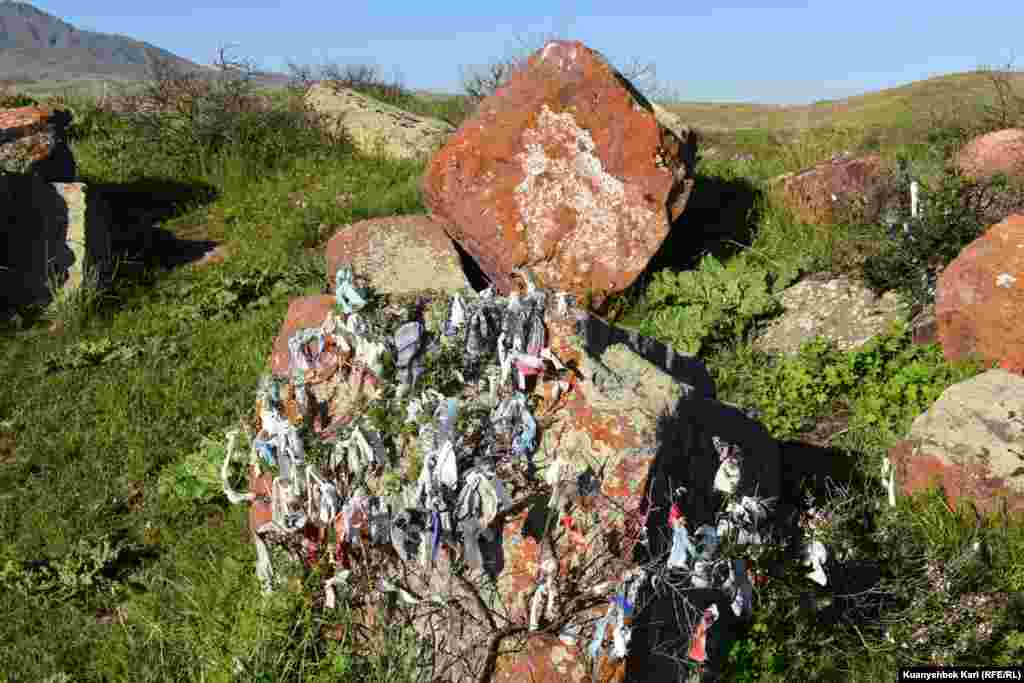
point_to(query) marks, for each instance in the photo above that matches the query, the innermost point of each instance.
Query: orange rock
(1001, 151)
(563, 170)
(397, 255)
(979, 300)
(304, 312)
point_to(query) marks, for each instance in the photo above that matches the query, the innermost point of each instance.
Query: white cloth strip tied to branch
(547, 588)
(339, 579)
(889, 479)
(727, 478)
(359, 453)
(322, 502)
(745, 517)
(282, 503)
(456, 316)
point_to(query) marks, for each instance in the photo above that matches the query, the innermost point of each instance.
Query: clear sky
(774, 51)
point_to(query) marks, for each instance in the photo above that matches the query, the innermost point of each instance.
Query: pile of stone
(531, 488)
(569, 479)
(53, 226)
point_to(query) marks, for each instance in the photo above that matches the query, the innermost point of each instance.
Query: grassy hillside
(903, 106)
(120, 561)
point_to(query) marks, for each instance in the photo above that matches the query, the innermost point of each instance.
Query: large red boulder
(1001, 151)
(565, 169)
(979, 301)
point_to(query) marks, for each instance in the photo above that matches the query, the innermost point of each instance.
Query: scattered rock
(969, 442)
(49, 228)
(841, 309)
(1001, 151)
(398, 254)
(304, 312)
(33, 140)
(7, 447)
(836, 190)
(979, 300)
(376, 127)
(566, 170)
(106, 616)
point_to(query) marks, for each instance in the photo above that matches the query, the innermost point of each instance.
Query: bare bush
(479, 82)
(187, 118)
(1007, 108)
(363, 78)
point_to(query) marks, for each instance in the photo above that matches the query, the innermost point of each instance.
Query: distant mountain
(37, 46)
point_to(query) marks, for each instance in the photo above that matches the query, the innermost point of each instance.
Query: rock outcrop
(840, 309)
(33, 141)
(398, 254)
(376, 127)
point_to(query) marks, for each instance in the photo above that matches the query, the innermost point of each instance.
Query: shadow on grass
(718, 214)
(854, 593)
(719, 219)
(138, 208)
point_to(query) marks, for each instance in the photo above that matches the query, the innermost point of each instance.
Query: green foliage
(91, 122)
(14, 100)
(886, 382)
(92, 352)
(442, 370)
(1011, 649)
(712, 304)
(229, 295)
(77, 576)
(758, 654)
(953, 216)
(196, 479)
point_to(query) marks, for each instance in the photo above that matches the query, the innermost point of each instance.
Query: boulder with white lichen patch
(566, 170)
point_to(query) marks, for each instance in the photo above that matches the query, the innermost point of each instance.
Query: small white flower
(1005, 280)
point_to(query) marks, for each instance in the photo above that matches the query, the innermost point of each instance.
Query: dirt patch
(6, 449)
(827, 428)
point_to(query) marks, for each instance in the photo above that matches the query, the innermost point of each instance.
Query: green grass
(144, 373)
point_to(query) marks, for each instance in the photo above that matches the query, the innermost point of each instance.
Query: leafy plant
(75, 576)
(954, 214)
(713, 303)
(231, 294)
(9, 100)
(197, 478)
(886, 382)
(758, 654)
(92, 352)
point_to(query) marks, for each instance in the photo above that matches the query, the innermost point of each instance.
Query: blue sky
(736, 51)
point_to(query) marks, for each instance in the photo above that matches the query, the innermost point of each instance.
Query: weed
(917, 249)
(712, 304)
